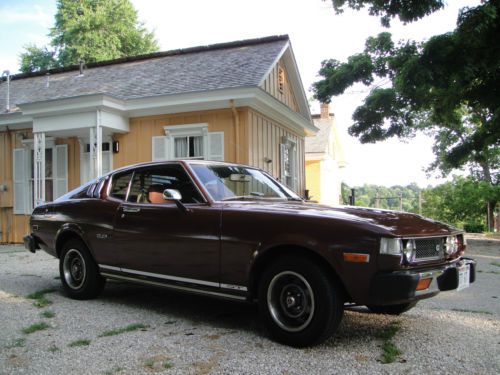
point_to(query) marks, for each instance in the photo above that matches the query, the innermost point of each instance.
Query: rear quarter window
(119, 185)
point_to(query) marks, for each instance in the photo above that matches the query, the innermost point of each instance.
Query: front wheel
(300, 304)
(392, 309)
(79, 272)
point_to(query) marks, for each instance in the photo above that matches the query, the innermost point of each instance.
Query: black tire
(299, 303)
(392, 309)
(79, 272)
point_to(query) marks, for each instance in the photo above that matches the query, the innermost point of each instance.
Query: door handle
(131, 209)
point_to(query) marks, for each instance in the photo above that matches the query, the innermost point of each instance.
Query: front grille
(429, 248)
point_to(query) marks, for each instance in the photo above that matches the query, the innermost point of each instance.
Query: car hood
(388, 222)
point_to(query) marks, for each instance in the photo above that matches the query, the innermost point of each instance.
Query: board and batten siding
(265, 137)
(136, 146)
(271, 86)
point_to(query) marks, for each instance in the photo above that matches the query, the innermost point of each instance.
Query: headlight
(392, 246)
(409, 250)
(451, 245)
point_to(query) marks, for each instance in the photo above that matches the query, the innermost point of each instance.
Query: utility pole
(400, 201)
(352, 197)
(420, 202)
(377, 200)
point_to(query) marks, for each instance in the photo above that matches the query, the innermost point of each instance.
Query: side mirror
(175, 196)
(172, 194)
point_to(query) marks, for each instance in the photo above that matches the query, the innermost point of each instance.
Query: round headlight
(451, 245)
(409, 250)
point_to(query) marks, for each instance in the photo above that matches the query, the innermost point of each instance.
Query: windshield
(228, 182)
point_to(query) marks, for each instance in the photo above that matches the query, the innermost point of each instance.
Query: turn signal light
(356, 257)
(424, 284)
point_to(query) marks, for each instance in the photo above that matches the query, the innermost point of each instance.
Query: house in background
(324, 160)
(239, 102)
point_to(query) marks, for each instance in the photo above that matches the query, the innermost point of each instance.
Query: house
(239, 102)
(324, 160)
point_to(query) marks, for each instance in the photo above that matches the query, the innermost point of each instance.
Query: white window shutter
(160, 148)
(282, 163)
(215, 146)
(60, 170)
(20, 182)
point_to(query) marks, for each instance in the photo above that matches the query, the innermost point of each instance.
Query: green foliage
(462, 200)
(387, 197)
(91, 30)
(82, 342)
(35, 327)
(446, 86)
(129, 328)
(35, 58)
(474, 227)
(406, 11)
(40, 300)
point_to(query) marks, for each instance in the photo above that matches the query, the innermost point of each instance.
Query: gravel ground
(455, 332)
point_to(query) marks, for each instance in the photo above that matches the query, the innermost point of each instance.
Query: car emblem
(437, 248)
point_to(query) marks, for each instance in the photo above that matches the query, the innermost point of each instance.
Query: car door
(157, 239)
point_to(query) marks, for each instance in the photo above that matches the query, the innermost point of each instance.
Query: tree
(460, 201)
(90, 30)
(448, 86)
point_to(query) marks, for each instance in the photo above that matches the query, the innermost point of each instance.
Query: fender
(74, 229)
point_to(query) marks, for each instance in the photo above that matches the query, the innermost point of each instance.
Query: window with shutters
(56, 175)
(191, 141)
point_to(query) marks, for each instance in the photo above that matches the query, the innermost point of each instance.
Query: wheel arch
(68, 232)
(268, 256)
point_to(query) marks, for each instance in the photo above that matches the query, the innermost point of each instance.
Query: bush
(474, 227)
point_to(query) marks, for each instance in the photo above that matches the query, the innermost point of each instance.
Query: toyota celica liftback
(233, 231)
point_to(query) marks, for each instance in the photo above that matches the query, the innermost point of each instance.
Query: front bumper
(401, 286)
(30, 243)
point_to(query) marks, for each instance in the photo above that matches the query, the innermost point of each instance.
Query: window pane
(181, 147)
(48, 163)
(149, 183)
(230, 182)
(49, 191)
(195, 147)
(119, 186)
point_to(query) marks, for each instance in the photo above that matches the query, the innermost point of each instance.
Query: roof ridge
(174, 52)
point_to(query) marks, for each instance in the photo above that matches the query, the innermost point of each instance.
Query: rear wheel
(392, 309)
(79, 272)
(299, 303)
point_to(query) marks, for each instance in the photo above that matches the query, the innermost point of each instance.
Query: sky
(316, 34)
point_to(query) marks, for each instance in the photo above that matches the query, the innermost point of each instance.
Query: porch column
(96, 148)
(39, 169)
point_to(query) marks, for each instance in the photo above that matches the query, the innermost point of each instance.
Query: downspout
(7, 104)
(236, 120)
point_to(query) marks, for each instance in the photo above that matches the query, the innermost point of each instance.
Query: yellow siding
(265, 137)
(270, 85)
(313, 178)
(136, 146)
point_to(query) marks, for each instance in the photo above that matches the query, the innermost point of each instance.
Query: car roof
(177, 161)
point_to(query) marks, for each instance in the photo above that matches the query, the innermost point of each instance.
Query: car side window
(150, 182)
(119, 185)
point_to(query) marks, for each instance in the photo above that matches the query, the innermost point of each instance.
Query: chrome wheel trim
(74, 269)
(290, 300)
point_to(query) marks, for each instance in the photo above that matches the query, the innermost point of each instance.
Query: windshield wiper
(294, 199)
(238, 198)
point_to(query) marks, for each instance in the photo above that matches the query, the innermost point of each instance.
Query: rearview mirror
(239, 177)
(172, 194)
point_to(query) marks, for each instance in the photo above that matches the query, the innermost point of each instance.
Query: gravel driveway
(132, 329)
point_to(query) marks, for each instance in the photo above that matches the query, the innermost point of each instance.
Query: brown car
(233, 231)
